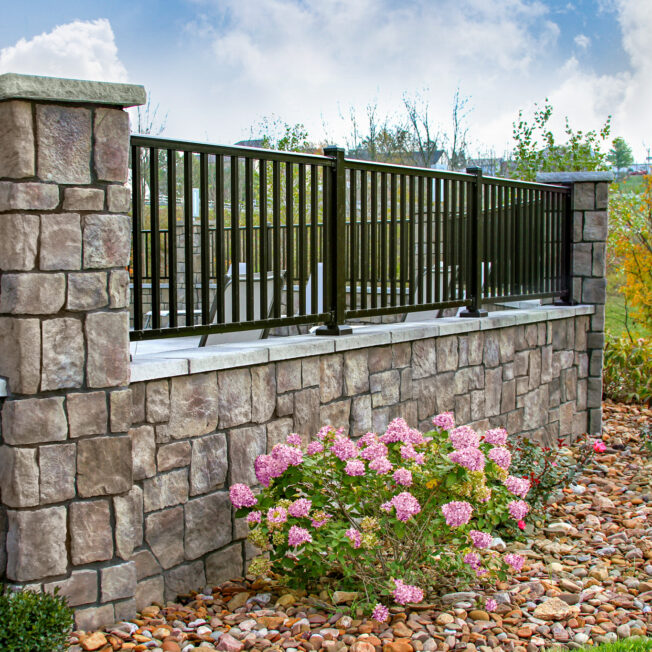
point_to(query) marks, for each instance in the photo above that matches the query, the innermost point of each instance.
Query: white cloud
(79, 50)
(582, 41)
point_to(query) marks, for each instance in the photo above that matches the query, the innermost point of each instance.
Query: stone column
(65, 237)
(590, 193)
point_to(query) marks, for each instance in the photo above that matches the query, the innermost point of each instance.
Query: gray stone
(277, 432)
(208, 524)
(491, 349)
(118, 199)
(331, 371)
(461, 381)
(16, 140)
(224, 565)
(401, 354)
(34, 421)
(535, 369)
(138, 394)
(107, 241)
(288, 376)
(263, 393)
(61, 242)
(209, 464)
(566, 414)
(91, 534)
(407, 386)
(79, 588)
(143, 451)
(128, 510)
(32, 294)
(183, 579)
(172, 456)
(18, 238)
(87, 291)
(285, 404)
(234, 397)
(164, 534)
(507, 338)
(111, 144)
(310, 371)
(462, 410)
(20, 354)
(104, 465)
(360, 415)
(583, 196)
(336, 414)
(493, 385)
(379, 359)
(107, 343)
(63, 137)
(569, 384)
(94, 617)
(477, 404)
(158, 401)
(447, 357)
(444, 392)
(306, 411)
(356, 372)
(599, 259)
(165, 490)
(57, 464)
(146, 564)
(149, 592)
(19, 476)
(594, 392)
(384, 387)
(475, 348)
(245, 444)
(29, 196)
(582, 259)
(379, 419)
(121, 406)
(594, 290)
(119, 288)
(535, 408)
(425, 391)
(125, 610)
(508, 396)
(595, 226)
(118, 581)
(424, 355)
(63, 354)
(595, 365)
(83, 199)
(600, 177)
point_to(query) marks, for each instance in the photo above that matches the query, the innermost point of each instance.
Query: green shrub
(627, 370)
(33, 622)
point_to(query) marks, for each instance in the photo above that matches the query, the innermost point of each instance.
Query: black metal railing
(236, 238)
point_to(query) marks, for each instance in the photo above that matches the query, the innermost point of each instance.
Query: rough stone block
(79, 588)
(107, 241)
(245, 445)
(601, 195)
(331, 373)
(128, 510)
(143, 450)
(356, 372)
(149, 592)
(407, 388)
(425, 393)
(183, 579)
(493, 385)
(385, 388)
(424, 355)
(63, 354)
(263, 393)
(20, 354)
(595, 364)
(309, 372)
(61, 245)
(111, 144)
(91, 534)
(104, 465)
(569, 384)
(594, 393)
(158, 401)
(477, 404)
(19, 476)
(379, 359)
(208, 524)
(595, 226)
(360, 415)
(534, 369)
(119, 288)
(83, 199)
(16, 140)
(401, 355)
(491, 349)
(582, 259)
(18, 239)
(288, 376)
(125, 610)
(224, 565)
(63, 137)
(234, 397)
(94, 617)
(29, 196)
(107, 344)
(535, 406)
(138, 394)
(285, 404)
(595, 340)
(208, 466)
(444, 384)
(447, 356)
(118, 198)
(277, 432)
(583, 196)
(306, 411)
(57, 465)
(118, 581)
(336, 414)
(146, 564)
(120, 408)
(165, 490)
(164, 534)
(87, 291)
(87, 414)
(566, 414)
(34, 421)
(595, 421)
(173, 456)
(32, 294)
(599, 259)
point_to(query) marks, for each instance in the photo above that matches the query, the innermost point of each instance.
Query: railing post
(334, 263)
(566, 298)
(475, 244)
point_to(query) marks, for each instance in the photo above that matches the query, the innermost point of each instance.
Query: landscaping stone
(90, 532)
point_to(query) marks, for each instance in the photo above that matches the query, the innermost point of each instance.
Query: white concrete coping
(575, 177)
(80, 91)
(3, 387)
(228, 356)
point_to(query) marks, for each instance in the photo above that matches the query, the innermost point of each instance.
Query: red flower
(521, 524)
(599, 446)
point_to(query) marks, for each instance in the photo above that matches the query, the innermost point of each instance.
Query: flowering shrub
(399, 513)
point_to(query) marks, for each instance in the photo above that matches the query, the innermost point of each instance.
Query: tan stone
(20, 354)
(146, 564)
(224, 565)
(164, 534)
(19, 476)
(183, 579)
(57, 465)
(90, 532)
(94, 617)
(209, 464)
(360, 415)
(310, 372)
(263, 393)
(193, 407)
(18, 240)
(34, 420)
(143, 447)
(149, 591)
(165, 490)
(424, 355)
(63, 136)
(277, 432)
(104, 465)
(138, 402)
(63, 354)
(107, 241)
(28, 196)
(121, 408)
(61, 245)
(384, 387)
(158, 401)
(234, 397)
(245, 445)
(336, 414)
(288, 375)
(36, 543)
(32, 294)
(111, 144)
(128, 510)
(87, 291)
(118, 581)
(172, 456)
(356, 372)
(306, 411)
(125, 610)
(107, 343)
(83, 199)
(118, 198)
(330, 374)
(119, 288)
(79, 588)
(208, 524)
(16, 140)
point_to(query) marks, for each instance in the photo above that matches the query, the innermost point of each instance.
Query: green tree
(537, 149)
(280, 135)
(620, 154)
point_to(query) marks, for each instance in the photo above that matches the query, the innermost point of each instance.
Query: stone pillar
(590, 193)
(65, 237)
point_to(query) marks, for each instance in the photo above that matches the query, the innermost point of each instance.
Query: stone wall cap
(55, 89)
(3, 387)
(574, 177)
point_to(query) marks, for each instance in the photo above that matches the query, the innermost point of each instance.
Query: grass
(626, 645)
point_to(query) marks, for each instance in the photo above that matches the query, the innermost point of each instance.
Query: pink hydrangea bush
(389, 515)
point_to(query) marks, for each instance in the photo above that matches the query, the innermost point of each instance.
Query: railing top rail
(229, 150)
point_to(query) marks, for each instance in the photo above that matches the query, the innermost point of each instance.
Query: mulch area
(587, 579)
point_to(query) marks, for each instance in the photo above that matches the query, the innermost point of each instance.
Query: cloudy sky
(218, 66)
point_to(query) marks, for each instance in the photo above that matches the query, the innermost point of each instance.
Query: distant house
(491, 167)
(404, 158)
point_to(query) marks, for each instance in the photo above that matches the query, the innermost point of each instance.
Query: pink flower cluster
(241, 496)
(501, 456)
(298, 536)
(317, 523)
(314, 447)
(403, 477)
(277, 515)
(367, 439)
(490, 605)
(514, 560)
(464, 437)
(398, 430)
(380, 613)
(406, 505)
(496, 436)
(381, 465)
(293, 439)
(344, 448)
(470, 458)
(457, 513)
(374, 451)
(404, 593)
(518, 509)
(300, 508)
(518, 486)
(355, 537)
(480, 539)
(254, 517)
(473, 559)
(445, 421)
(354, 467)
(272, 466)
